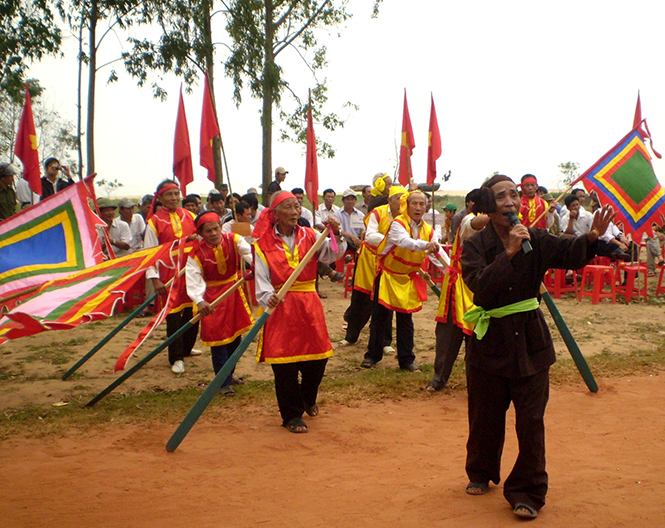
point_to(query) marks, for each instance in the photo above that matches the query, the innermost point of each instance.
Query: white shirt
(196, 285)
(581, 225)
(23, 191)
(136, 229)
(398, 236)
(325, 254)
(322, 213)
(119, 231)
(351, 222)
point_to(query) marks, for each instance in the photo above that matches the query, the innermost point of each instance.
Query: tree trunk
(79, 110)
(92, 67)
(266, 115)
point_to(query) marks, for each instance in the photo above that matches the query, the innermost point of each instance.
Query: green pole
(108, 337)
(161, 347)
(209, 393)
(568, 338)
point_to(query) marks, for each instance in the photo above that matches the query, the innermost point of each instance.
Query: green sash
(481, 317)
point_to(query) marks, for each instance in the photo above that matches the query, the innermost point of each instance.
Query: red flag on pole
(182, 151)
(209, 129)
(26, 146)
(434, 145)
(312, 168)
(638, 112)
(406, 148)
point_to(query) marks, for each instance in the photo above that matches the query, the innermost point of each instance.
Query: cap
(252, 190)
(348, 192)
(547, 197)
(224, 187)
(450, 207)
(281, 170)
(126, 202)
(104, 203)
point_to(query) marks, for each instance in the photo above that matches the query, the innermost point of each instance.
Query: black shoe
(412, 368)
(367, 363)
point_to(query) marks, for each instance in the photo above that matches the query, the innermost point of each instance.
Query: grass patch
(344, 386)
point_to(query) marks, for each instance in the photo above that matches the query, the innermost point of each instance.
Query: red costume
(219, 268)
(531, 209)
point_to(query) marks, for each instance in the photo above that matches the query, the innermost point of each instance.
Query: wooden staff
(161, 347)
(213, 388)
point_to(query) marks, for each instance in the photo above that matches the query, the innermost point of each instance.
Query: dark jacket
(516, 345)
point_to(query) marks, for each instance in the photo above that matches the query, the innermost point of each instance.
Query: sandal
(525, 511)
(312, 411)
(296, 425)
(477, 488)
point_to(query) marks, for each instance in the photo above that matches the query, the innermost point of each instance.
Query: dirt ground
(399, 463)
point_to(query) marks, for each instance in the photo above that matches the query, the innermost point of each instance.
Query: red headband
(529, 179)
(279, 198)
(210, 216)
(165, 188)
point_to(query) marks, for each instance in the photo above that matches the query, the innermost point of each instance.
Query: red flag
(182, 151)
(434, 145)
(638, 112)
(406, 148)
(26, 146)
(312, 168)
(209, 129)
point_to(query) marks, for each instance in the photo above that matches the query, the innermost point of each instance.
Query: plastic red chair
(556, 278)
(597, 276)
(660, 288)
(629, 289)
(348, 278)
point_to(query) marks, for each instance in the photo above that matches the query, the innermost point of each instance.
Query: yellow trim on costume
(220, 258)
(304, 286)
(222, 282)
(296, 359)
(176, 224)
(292, 259)
(226, 341)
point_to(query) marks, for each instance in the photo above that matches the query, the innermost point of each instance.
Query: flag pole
(209, 393)
(161, 347)
(568, 338)
(115, 331)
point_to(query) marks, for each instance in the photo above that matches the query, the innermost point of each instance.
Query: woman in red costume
(295, 338)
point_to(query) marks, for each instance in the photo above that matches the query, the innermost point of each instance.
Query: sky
(519, 87)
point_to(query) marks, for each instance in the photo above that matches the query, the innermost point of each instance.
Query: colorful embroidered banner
(624, 178)
(51, 239)
(80, 297)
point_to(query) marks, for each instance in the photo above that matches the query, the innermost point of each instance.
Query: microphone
(514, 220)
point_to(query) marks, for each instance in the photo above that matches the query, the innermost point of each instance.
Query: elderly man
(360, 309)
(326, 209)
(532, 206)
(134, 221)
(118, 232)
(52, 182)
(510, 352)
(7, 192)
(168, 224)
(351, 220)
(398, 286)
(295, 338)
(212, 268)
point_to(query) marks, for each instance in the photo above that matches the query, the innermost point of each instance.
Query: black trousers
(449, 339)
(382, 317)
(489, 399)
(183, 345)
(358, 314)
(293, 395)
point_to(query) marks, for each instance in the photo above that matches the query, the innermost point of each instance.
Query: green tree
(260, 31)
(108, 186)
(27, 33)
(185, 48)
(569, 172)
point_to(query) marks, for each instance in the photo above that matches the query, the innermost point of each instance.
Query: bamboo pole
(161, 347)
